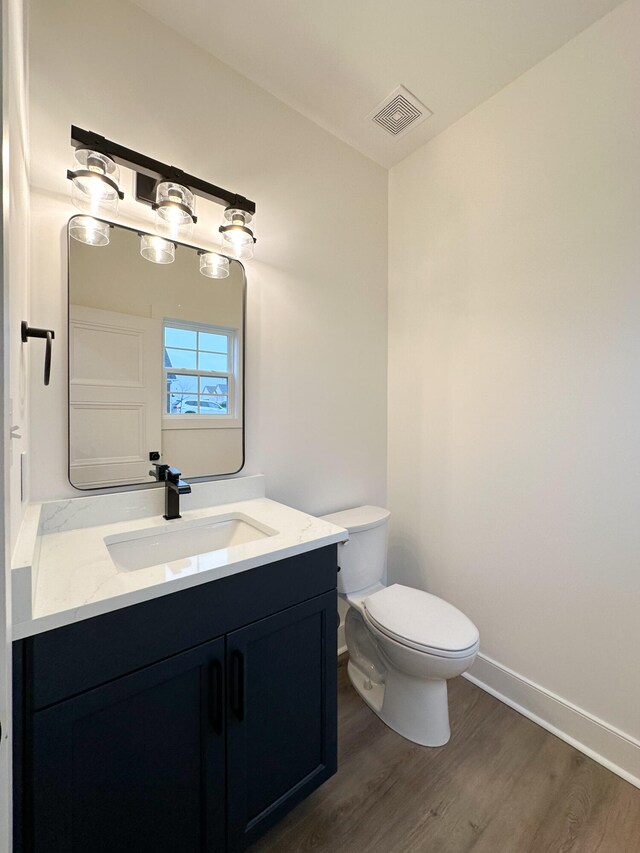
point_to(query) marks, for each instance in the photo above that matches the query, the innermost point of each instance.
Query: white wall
(17, 254)
(15, 306)
(317, 313)
(514, 372)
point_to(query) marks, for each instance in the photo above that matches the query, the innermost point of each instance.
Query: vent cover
(400, 112)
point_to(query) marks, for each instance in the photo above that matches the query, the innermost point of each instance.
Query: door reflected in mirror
(156, 368)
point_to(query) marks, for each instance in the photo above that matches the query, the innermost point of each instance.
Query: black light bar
(150, 172)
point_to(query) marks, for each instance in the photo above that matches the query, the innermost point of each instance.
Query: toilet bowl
(404, 643)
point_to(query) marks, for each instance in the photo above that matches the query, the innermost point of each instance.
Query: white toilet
(403, 643)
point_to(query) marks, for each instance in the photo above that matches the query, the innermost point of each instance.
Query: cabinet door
(282, 714)
(137, 764)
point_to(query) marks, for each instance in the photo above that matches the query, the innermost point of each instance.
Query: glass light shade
(237, 237)
(240, 250)
(157, 249)
(238, 216)
(213, 265)
(95, 182)
(88, 230)
(175, 209)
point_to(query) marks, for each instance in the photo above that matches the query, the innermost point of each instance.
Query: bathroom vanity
(195, 707)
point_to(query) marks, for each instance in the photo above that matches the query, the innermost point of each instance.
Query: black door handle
(47, 357)
(216, 695)
(237, 684)
(27, 332)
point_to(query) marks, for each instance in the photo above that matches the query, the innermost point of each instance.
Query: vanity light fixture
(175, 209)
(169, 191)
(86, 229)
(237, 237)
(213, 265)
(157, 249)
(94, 181)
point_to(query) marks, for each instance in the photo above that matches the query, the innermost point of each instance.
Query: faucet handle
(161, 471)
(172, 474)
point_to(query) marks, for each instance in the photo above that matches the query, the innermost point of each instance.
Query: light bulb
(173, 216)
(95, 182)
(213, 265)
(175, 206)
(86, 229)
(236, 233)
(156, 249)
(237, 237)
(92, 186)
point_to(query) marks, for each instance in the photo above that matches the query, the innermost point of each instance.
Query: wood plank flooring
(501, 785)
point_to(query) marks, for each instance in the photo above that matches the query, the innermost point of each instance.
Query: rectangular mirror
(156, 364)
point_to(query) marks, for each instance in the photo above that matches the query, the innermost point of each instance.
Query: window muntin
(199, 364)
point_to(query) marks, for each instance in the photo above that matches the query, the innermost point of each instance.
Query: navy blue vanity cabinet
(281, 733)
(136, 764)
(185, 724)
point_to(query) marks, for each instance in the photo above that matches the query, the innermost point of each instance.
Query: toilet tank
(363, 559)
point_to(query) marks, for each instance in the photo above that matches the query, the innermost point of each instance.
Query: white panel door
(115, 396)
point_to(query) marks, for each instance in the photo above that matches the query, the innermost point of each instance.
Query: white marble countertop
(64, 572)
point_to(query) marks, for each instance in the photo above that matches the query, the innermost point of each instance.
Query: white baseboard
(341, 649)
(615, 750)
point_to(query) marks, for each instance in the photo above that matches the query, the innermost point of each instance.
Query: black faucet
(174, 487)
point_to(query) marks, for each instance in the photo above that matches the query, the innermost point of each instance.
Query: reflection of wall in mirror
(116, 279)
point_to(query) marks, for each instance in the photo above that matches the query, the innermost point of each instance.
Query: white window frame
(233, 418)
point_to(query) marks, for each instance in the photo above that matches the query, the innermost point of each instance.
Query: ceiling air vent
(400, 112)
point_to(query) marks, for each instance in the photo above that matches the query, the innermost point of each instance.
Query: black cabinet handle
(216, 695)
(29, 332)
(237, 684)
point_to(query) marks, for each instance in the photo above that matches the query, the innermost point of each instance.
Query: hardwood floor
(501, 785)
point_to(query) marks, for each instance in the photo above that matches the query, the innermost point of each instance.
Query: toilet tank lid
(359, 518)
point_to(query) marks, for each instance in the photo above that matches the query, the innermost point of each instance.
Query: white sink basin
(185, 548)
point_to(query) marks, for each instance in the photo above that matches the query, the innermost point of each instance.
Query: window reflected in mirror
(199, 367)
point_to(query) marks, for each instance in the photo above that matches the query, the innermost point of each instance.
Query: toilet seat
(421, 621)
